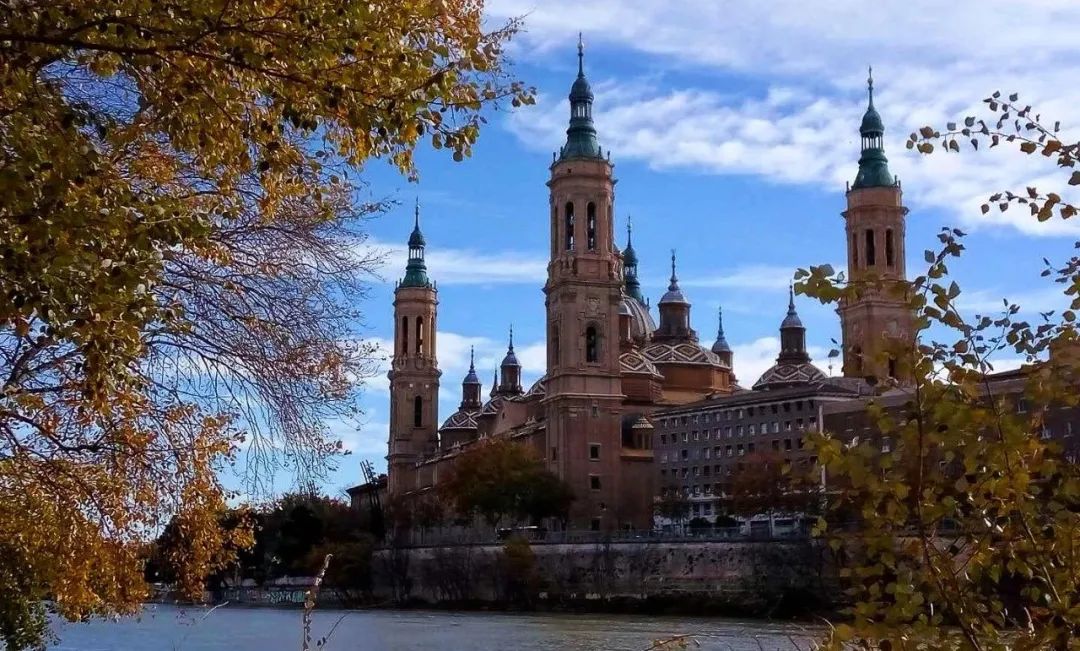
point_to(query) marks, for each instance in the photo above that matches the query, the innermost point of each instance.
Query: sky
(733, 127)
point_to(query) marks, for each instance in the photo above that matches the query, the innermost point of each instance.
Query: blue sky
(733, 129)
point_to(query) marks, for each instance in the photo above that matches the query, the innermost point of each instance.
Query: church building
(612, 371)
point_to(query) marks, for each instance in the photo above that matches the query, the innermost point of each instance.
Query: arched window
(892, 367)
(855, 250)
(569, 218)
(418, 412)
(871, 257)
(419, 335)
(592, 345)
(404, 335)
(889, 247)
(590, 225)
(555, 343)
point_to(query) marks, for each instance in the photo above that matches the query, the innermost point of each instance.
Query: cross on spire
(511, 337)
(472, 359)
(870, 83)
(674, 279)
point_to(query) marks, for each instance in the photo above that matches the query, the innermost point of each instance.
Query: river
(166, 628)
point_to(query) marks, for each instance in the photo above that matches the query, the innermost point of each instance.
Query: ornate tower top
(630, 267)
(873, 166)
(792, 336)
(511, 370)
(471, 377)
(581, 135)
(721, 344)
(415, 269)
(673, 294)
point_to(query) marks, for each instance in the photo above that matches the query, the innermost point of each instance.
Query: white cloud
(451, 266)
(933, 63)
(754, 358)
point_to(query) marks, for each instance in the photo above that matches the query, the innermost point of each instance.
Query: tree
(499, 479)
(180, 246)
(967, 527)
(674, 506)
(765, 483)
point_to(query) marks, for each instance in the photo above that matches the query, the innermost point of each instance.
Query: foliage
(968, 527)
(521, 579)
(180, 249)
(674, 506)
(765, 483)
(499, 479)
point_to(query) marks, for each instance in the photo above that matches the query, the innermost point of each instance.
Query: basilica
(611, 368)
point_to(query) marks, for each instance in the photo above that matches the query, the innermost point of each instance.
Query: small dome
(581, 90)
(629, 255)
(416, 240)
(537, 390)
(641, 322)
(791, 320)
(782, 375)
(491, 406)
(461, 419)
(680, 353)
(871, 122)
(642, 423)
(673, 294)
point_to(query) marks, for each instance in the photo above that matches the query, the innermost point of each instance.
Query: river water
(166, 628)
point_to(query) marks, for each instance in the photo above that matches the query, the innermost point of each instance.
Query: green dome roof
(581, 135)
(873, 165)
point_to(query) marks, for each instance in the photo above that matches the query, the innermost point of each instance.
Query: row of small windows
(738, 430)
(870, 250)
(778, 445)
(747, 412)
(419, 342)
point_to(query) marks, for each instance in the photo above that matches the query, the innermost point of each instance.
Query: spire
(630, 266)
(471, 377)
(581, 135)
(510, 359)
(873, 166)
(580, 56)
(416, 269)
(495, 384)
(673, 294)
(721, 344)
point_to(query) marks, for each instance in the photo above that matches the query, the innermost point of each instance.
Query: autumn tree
(765, 483)
(967, 530)
(499, 479)
(182, 251)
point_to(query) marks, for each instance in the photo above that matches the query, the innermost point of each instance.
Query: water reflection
(165, 628)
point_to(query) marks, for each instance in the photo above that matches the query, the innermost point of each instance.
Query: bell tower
(877, 324)
(414, 370)
(584, 292)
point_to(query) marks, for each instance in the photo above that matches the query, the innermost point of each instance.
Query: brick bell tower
(878, 325)
(584, 292)
(414, 371)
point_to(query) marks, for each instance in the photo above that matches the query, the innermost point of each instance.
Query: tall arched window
(419, 335)
(855, 250)
(418, 411)
(590, 225)
(592, 345)
(555, 343)
(889, 247)
(871, 257)
(569, 218)
(404, 335)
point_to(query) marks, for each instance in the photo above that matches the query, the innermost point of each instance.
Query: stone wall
(746, 576)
